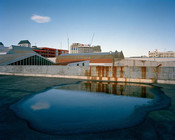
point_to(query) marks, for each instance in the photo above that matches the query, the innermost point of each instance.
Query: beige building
(84, 48)
(156, 53)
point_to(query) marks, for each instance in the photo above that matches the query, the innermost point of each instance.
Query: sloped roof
(24, 42)
(19, 49)
(3, 49)
(69, 62)
(10, 58)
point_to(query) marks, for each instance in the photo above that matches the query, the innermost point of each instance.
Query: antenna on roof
(92, 39)
(68, 42)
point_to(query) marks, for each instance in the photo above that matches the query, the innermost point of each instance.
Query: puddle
(89, 107)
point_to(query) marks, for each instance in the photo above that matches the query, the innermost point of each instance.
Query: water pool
(86, 107)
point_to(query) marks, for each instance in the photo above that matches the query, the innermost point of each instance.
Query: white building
(161, 54)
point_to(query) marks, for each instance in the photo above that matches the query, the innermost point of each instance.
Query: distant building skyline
(156, 53)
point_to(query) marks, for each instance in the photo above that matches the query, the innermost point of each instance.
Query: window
(82, 64)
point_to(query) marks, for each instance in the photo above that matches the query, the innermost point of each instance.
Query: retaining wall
(103, 73)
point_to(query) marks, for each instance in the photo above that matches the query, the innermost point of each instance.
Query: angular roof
(69, 62)
(1, 43)
(24, 42)
(19, 49)
(10, 58)
(3, 49)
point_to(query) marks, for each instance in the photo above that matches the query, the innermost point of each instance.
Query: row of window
(74, 49)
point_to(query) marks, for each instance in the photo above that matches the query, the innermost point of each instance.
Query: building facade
(84, 48)
(105, 58)
(49, 52)
(156, 53)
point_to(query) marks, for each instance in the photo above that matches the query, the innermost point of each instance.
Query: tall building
(156, 53)
(84, 48)
(24, 43)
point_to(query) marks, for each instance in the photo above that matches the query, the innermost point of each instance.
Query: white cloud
(40, 19)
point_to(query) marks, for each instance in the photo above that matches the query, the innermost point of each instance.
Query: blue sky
(133, 26)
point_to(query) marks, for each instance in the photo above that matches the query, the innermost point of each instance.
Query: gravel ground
(159, 125)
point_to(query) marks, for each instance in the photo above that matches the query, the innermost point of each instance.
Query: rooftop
(69, 62)
(24, 42)
(19, 49)
(9, 58)
(103, 53)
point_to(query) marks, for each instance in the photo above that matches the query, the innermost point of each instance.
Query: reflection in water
(136, 90)
(60, 111)
(40, 106)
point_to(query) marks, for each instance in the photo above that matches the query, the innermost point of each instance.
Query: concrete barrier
(163, 75)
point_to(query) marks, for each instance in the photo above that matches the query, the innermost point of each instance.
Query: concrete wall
(142, 62)
(100, 64)
(158, 59)
(102, 73)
